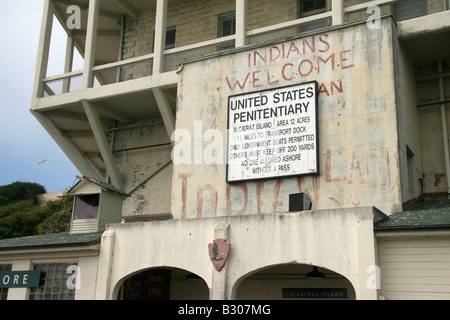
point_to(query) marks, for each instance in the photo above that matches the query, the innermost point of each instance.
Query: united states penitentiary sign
(273, 133)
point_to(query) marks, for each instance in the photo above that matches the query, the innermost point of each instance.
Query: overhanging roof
(52, 240)
(71, 192)
(428, 214)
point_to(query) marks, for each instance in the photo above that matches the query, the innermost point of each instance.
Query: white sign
(273, 133)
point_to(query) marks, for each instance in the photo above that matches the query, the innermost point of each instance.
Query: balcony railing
(147, 65)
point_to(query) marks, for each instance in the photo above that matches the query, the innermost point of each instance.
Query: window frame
(54, 282)
(225, 17)
(76, 216)
(169, 30)
(302, 13)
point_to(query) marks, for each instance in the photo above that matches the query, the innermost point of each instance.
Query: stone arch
(161, 283)
(292, 281)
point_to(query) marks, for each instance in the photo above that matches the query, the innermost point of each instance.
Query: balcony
(129, 53)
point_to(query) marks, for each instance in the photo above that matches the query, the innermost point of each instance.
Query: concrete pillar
(160, 36)
(241, 23)
(68, 63)
(104, 290)
(338, 12)
(219, 278)
(43, 49)
(91, 39)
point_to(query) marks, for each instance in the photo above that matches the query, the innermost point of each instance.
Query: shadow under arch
(292, 281)
(161, 283)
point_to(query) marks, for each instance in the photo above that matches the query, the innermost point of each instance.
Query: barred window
(4, 291)
(54, 286)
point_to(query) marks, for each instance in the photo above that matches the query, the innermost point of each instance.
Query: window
(4, 291)
(227, 24)
(86, 207)
(409, 9)
(310, 7)
(170, 37)
(54, 282)
(227, 27)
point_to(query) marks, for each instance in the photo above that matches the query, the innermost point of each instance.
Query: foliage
(21, 215)
(60, 220)
(20, 191)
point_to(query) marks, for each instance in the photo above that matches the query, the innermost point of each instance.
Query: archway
(294, 282)
(163, 284)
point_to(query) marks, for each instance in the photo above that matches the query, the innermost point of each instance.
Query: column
(43, 49)
(68, 63)
(219, 289)
(91, 38)
(241, 23)
(338, 12)
(160, 36)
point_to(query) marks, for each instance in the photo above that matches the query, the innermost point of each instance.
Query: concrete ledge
(437, 22)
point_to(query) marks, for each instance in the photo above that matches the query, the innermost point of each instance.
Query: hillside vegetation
(21, 215)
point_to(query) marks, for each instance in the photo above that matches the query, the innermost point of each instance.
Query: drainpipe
(444, 127)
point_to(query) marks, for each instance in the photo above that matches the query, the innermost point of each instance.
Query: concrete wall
(359, 162)
(139, 151)
(408, 125)
(340, 240)
(431, 136)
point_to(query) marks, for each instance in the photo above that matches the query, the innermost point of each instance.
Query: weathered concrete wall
(340, 240)
(408, 125)
(431, 136)
(359, 163)
(139, 151)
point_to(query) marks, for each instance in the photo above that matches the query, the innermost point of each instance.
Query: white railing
(336, 15)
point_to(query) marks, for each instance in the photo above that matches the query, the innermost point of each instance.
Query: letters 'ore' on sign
(273, 133)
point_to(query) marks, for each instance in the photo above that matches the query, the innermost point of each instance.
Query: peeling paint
(359, 163)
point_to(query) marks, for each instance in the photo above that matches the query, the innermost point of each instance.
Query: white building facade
(234, 147)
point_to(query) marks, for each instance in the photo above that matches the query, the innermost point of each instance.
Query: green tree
(19, 191)
(21, 215)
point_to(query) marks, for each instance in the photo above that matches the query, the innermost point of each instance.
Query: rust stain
(437, 179)
(336, 202)
(314, 195)
(276, 194)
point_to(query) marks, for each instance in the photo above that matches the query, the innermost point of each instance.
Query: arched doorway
(163, 284)
(294, 282)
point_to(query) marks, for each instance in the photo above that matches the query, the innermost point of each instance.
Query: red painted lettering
(344, 60)
(283, 71)
(232, 87)
(311, 68)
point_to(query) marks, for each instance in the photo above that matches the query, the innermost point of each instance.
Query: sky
(24, 143)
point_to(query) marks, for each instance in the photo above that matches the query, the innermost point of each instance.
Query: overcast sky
(23, 141)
